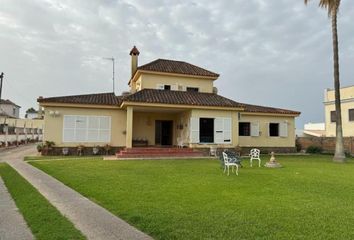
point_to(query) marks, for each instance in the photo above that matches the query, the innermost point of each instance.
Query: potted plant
(107, 148)
(39, 147)
(65, 151)
(80, 150)
(95, 150)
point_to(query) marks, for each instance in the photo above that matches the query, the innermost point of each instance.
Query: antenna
(111, 59)
(1, 78)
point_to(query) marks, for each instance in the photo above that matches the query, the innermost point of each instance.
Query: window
(274, 129)
(244, 129)
(333, 116)
(167, 87)
(86, 128)
(192, 89)
(351, 114)
(14, 111)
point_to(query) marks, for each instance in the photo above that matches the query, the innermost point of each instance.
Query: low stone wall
(328, 144)
(86, 151)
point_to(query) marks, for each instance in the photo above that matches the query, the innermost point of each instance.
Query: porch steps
(154, 152)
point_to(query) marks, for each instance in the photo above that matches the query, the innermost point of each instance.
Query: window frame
(278, 131)
(103, 133)
(249, 129)
(351, 115)
(332, 116)
(192, 89)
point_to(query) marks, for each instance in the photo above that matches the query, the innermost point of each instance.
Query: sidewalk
(92, 220)
(12, 224)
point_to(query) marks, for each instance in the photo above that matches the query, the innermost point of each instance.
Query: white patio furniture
(255, 155)
(228, 163)
(213, 151)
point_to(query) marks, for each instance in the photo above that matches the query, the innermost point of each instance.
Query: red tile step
(159, 152)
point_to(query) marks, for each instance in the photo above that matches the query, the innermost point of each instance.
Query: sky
(268, 52)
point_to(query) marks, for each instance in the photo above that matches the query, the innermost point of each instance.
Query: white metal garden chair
(255, 155)
(227, 165)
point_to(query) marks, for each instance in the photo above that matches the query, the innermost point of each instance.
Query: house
(169, 102)
(347, 108)
(314, 130)
(32, 113)
(9, 109)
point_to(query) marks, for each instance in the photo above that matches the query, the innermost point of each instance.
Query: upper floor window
(333, 116)
(351, 114)
(192, 89)
(167, 87)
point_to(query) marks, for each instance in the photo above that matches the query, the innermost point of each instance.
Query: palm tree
(332, 7)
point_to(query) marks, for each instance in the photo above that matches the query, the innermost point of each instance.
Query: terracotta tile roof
(179, 67)
(180, 97)
(164, 97)
(134, 51)
(97, 99)
(262, 109)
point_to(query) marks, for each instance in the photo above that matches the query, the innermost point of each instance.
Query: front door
(163, 132)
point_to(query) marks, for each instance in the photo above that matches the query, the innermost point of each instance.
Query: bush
(314, 149)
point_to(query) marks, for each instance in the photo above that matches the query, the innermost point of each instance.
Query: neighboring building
(168, 101)
(314, 130)
(32, 113)
(347, 105)
(9, 109)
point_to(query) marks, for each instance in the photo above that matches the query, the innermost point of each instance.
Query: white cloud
(275, 52)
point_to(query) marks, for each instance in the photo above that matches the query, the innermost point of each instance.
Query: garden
(310, 197)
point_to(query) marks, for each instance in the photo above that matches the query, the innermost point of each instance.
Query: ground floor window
(206, 130)
(274, 129)
(79, 128)
(244, 129)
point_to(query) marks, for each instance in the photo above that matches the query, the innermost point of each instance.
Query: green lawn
(43, 219)
(310, 198)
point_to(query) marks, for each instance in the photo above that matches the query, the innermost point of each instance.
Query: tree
(332, 7)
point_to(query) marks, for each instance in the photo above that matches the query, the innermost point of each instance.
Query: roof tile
(179, 67)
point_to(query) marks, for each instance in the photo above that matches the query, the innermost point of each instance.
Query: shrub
(314, 149)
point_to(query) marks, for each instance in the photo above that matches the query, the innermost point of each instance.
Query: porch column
(129, 130)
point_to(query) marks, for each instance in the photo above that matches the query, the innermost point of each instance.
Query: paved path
(12, 224)
(92, 220)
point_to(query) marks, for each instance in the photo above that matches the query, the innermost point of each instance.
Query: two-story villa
(169, 102)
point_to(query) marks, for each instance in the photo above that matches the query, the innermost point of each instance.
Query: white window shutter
(255, 129)
(283, 129)
(160, 86)
(218, 130)
(194, 130)
(174, 87)
(227, 130)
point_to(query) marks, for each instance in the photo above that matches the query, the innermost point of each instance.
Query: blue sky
(268, 52)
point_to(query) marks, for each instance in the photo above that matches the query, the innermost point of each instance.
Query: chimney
(134, 53)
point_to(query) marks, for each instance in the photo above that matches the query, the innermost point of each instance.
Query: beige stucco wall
(345, 93)
(264, 140)
(199, 113)
(348, 126)
(347, 102)
(144, 125)
(53, 126)
(147, 80)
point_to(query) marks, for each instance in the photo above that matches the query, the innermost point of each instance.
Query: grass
(44, 220)
(310, 198)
